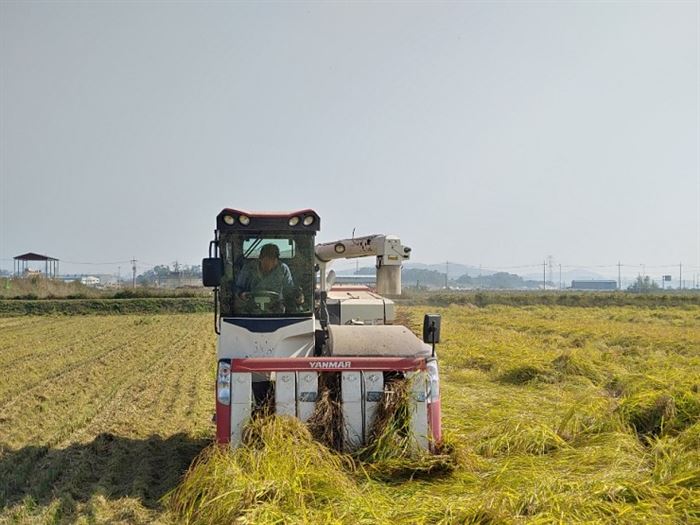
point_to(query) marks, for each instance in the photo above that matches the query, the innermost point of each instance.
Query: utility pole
(544, 275)
(119, 275)
(447, 271)
(560, 276)
(133, 273)
(550, 264)
(680, 276)
(619, 276)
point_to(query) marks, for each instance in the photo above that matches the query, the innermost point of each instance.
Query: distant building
(594, 284)
(366, 280)
(21, 263)
(70, 278)
(90, 280)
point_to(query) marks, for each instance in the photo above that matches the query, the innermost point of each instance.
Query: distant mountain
(454, 269)
(433, 274)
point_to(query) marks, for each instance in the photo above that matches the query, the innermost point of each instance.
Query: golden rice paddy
(552, 414)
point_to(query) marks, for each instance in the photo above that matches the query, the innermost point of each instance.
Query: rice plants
(553, 414)
(280, 475)
(392, 451)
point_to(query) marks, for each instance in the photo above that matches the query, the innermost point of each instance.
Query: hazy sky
(492, 133)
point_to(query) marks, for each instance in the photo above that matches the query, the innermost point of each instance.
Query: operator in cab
(266, 284)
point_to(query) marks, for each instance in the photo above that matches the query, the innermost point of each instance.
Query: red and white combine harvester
(281, 325)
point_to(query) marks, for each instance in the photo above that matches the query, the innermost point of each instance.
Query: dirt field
(559, 414)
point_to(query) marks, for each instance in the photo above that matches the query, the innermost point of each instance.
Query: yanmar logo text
(330, 364)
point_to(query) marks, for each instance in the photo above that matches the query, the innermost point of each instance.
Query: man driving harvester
(267, 283)
(289, 357)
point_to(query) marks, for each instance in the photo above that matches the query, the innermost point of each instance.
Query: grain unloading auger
(284, 330)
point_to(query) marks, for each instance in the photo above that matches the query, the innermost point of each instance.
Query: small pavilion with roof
(50, 264)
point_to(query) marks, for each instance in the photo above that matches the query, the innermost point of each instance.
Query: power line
(95, 263)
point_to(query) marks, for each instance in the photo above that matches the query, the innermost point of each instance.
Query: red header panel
(327, 364)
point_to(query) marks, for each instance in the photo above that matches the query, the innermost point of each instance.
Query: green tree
(429, 278)
(154, 275)
(643, 285)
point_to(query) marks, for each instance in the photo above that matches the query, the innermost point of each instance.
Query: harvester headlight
(294, 221)
(434, 380)
(308, 220)
(244, 220)
(228, 219)
(223, 383)
(339, 248)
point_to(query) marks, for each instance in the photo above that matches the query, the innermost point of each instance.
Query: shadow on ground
(112, 466)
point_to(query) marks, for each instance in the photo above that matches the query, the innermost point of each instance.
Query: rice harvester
(282, 325)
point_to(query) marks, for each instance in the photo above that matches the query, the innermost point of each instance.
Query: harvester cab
(285, 333)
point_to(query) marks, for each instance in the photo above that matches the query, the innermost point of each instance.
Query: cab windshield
(267, 274)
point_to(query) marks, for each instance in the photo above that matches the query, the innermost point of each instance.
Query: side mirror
(431, 328)
(212, 271)
(330, 279)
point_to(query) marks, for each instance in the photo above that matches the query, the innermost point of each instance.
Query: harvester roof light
(244, 220)
(339, 248)
(229, 219)
(308, 220)
(294, 221)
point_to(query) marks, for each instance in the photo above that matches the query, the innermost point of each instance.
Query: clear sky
(492, 133)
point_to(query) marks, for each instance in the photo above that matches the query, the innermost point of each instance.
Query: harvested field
(100, 415)
(556, 414)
